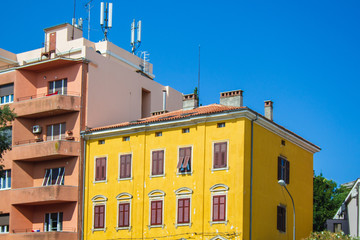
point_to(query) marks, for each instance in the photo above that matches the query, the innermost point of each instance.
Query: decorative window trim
(123, 198)
(107, 164)
(191, 160)
(218, 237)
(156, 195)
(213, 155)
(218, 190)
(183, 193)
(119, 168)
(151, 154)
(98, 200)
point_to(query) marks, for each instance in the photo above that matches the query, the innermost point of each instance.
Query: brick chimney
(269, 109)
(190, 101)
(232, 98)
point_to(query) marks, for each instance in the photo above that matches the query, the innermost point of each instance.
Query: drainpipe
(251, 171)
(358, 208)
(83, 187)
(164, 100)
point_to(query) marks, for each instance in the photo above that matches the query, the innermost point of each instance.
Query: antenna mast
(135, 44)
(198, 89)
(106, 21)
(88, 5)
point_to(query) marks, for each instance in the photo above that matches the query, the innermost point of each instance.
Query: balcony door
(53, 222)
(58, 87)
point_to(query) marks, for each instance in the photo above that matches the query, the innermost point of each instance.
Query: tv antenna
(106, 18)
(88, 6)
(135, 44)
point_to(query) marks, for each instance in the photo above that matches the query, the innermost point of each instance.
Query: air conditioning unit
(36, 129)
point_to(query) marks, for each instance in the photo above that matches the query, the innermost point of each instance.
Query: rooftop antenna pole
(135, 44)
(198, 89)
(88, 5)
(106, 21)
(73, 21)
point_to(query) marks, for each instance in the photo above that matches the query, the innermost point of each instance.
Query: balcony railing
(39, 140)
(36, 230)
(76, 94)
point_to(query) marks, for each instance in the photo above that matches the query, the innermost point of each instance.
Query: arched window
(183, 207)
(99, 213)
(156, 215)
(124, 211)
(219, 204)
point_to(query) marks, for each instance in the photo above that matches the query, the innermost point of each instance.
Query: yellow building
(210, 172)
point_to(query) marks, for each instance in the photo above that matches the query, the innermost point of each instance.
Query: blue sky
(303, 55)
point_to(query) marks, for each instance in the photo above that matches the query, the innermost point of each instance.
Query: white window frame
(151, 153)
(52, 131)
(62, 85)
(123, 198)
(98, 200)
(58, 227)
(213, 155)
(7, 99)
(62, 176)
(157, 195)
(6, 180)
(191, 160)
(216, 190)
(119, 168)
(107, 164)
(218, 237)
(182, 193)
(4, 229)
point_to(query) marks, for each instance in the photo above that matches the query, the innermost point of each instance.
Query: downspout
(143, 205)
(203, 199)
(251, 172)
(83, 189)
(358, 207)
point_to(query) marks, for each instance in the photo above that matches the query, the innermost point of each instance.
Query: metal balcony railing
(77, 94)
(34, 230)
(39, 140)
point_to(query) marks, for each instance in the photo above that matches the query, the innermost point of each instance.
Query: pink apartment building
(69, 85)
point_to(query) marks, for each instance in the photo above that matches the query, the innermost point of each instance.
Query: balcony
(41, 151)
(38, 106)
(44, 195)
(41, 235)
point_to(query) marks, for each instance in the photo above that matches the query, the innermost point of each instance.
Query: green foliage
(6, 116)
(326, 235)
(327, 199)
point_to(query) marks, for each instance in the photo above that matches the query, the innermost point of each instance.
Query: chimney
(190, 101)
(232, 98)
(269, 109)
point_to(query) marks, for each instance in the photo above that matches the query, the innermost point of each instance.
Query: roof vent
(158, 112)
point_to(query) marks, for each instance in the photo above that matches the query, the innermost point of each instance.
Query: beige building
(69, 85)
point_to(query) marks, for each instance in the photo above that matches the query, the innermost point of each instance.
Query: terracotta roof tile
(178, 114)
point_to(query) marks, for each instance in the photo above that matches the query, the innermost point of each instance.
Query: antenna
(198, 89)
(106, 18)
(88, 5)
(135, 44)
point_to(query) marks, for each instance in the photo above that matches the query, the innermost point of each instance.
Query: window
(219, 208)
(4, 223)
(100, 142)
(185, 130)
(7, 93)
(124, 211)
(337, 227)
(53, 222)
(156, 208)
(218, 201)
(281, 218)
(183, 214)
(99, 210)
(220, 155)
(283, 170)
(184, 163)
(55, 132)
(125, 166)
(54, 176)
(157, 167)
(156, 212)
(221, 125)
(100, 169)
(158, 134)
(5, 180)
(58, 87)
(127, 138)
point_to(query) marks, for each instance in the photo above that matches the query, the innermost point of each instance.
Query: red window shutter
(122, 166)
(121, 215)
(159, 213)
(128, 166)
(223, 154)
(96, 217)
(99, 216)
(279, 168)
(155, 163)
(215, 208)
(126, 214)
(153, 213)
(124, 211)
(222, 208)
(287, 180)
(97, 170)
(186, 210)
(103, 169)
(216, 155)
(161, 162)
(180, 210)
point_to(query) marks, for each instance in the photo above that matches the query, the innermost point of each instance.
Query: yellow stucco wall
(267, 193)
